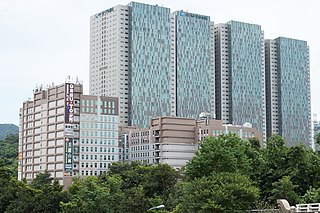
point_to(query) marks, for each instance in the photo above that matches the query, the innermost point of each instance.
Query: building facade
(109, 56)
(192, 65)
(150, 63)
(288, 90)
(240, 80)
(98, 134)
(174, 140)
(167, 140)
(161, 63)
(214, 128)
(61, 132)
(155, 61)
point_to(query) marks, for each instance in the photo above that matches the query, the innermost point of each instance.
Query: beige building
(215, 128)
(174, 140)
(67, 133)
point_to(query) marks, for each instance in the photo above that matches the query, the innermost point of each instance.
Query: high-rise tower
(240, 87)
(149, 93)
(192, 65)
(109, 56)
(158, 63)
(288, 90)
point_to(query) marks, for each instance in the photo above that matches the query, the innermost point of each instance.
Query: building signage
(68, 157)
(69, 103)
(182, 13)
(103, 12)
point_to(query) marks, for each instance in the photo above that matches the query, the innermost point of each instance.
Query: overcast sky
(43, 41)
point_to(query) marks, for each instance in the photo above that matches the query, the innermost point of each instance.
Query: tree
(9, 152)
(274, 165)
(156, 180)
(225, 153)
(8, 186)
(284, 189)
(160, 181)
(42, 180)
(43, 194)
(303, 167)
(132, 174)
(92, 195)
(217, 179)
(311, 196)
(299, 163)
(25, 200)
(222, 192)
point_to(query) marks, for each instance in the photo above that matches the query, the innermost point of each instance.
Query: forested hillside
(9, 151)
(7, 129)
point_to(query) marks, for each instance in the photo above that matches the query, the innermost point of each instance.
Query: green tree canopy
(225, 153)
(222, 192)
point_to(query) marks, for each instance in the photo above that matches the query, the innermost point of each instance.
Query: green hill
(7, 129)
(9, 151)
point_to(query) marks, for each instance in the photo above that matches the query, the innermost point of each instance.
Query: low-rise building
(174, 140)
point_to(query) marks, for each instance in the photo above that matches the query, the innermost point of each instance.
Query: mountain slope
(7, 129)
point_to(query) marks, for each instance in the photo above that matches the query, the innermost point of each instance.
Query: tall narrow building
(158, 63)
(109, 56)
(239, 64)
(149, 93)
(288, 90)
(192, 64)
(49, 133)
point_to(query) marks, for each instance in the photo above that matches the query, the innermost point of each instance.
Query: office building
(174, 140)
(163, 63)
(192, 64)
(239, 74)
(98, 134)
(214, 128)
(288, 90)
(67, 133)
(159, 63)
(167, 140)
